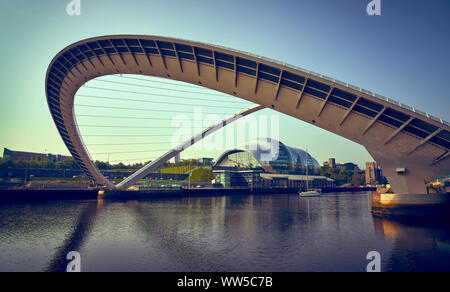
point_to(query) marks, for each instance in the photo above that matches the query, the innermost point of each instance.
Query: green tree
(102, 165)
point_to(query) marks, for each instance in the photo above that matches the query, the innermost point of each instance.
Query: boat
(312, 192)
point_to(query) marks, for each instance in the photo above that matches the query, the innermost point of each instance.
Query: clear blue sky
(403, 54)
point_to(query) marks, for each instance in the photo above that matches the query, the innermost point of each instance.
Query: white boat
(309, 193)
(312, 193)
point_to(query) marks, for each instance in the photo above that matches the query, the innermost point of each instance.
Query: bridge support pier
(429, 205)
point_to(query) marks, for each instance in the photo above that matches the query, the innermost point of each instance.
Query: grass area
(60, 179)
(198, 175)
(201, 175)
(176, 170)
(121, 170)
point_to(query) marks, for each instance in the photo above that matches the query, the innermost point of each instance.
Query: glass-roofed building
(270, 156)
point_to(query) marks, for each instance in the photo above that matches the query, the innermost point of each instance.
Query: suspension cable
(134, 127)
(162, 82)
(142, 109)
(156, 87)
(161, 95)
(150, 101)
(134, 159)
(144, 118)
(129, 152)
(118, 135)
(128, 144)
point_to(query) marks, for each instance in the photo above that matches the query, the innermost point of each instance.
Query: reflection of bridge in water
(234, 226)
(409, 145)
(418, 245)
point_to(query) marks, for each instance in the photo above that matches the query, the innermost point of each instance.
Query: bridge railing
(345, 84)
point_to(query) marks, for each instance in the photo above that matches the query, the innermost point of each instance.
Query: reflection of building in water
(268, 163)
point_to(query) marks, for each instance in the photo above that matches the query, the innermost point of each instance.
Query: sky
(402, 54)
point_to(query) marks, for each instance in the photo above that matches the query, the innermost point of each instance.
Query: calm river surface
(233, 234)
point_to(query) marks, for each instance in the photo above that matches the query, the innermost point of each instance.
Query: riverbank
(7, 196)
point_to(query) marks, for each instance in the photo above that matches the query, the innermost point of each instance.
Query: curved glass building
(270, 155)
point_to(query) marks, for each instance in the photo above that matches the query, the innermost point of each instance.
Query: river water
(232, 234)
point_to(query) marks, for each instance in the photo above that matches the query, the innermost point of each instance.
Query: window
(441, 142)
(293, 77)
(246, 70)
(205, 60)
(416, 131)
(183, 48)
(340, 101)
(318, 85)
(203, 52)
(369, 104)
(245, 62)
(148, 43)
(291, 84)
(397, 115)
(423, 126)
(390, 121)
(365, 111)
(168, 53)
(93, 45)
(224, 57)
(165, 45)
(270, 70)
(151, 51)
(132, 42)
(268, 77)
(105, 43)
(225, 64)
(315, 93)
(344, 95)
(186, 56)
(136, 50)
(118, 42)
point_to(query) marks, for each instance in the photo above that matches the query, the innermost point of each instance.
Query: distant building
(268, 163)
(373, 173)
(348, 166)
(258, 179)
(207, 161)
(17, 155)
(269, 155)
(332, 163)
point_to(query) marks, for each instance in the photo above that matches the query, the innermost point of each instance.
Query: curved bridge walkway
(410, 146)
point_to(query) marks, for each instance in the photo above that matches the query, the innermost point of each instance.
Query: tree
(102, 165)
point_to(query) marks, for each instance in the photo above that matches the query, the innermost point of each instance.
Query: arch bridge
(410, 146)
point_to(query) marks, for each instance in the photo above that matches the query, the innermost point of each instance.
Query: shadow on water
(76, 238)
(419, 244)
